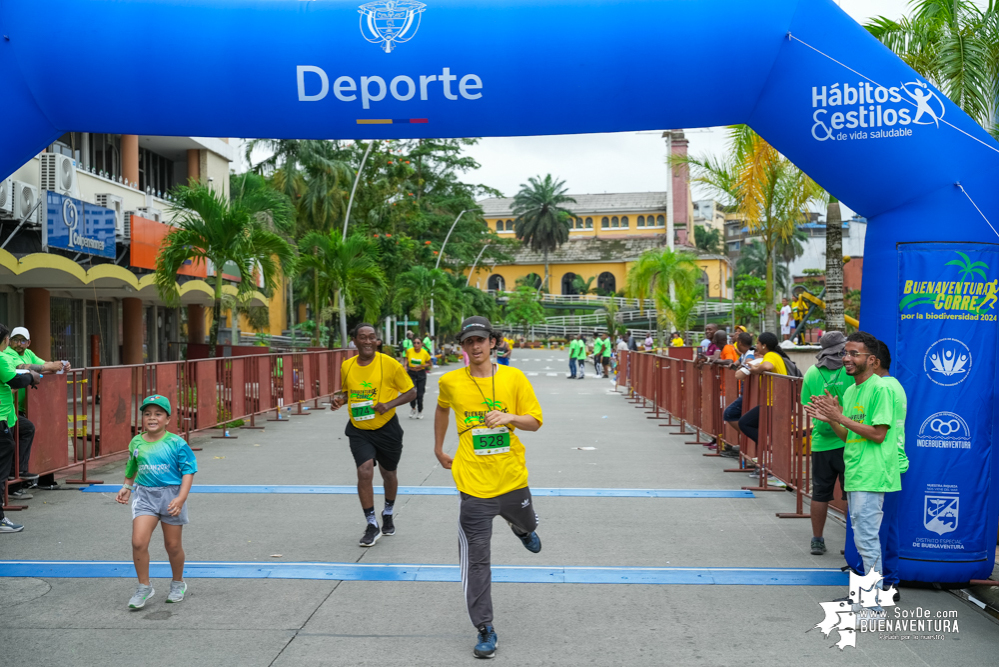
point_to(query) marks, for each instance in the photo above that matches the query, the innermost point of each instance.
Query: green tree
(239, 231)
(584, 286)
(657, 274)
(753, 262)
(523, 308)
(955, 45)
(329, 264)
(708, 240)
(680, 309)
(750, 299)
(420, 286)
(542, 222)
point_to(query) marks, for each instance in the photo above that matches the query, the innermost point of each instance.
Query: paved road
(291, 622)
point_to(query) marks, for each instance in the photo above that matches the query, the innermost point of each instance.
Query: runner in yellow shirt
(489, 467)
(418, 365)
(373, 385)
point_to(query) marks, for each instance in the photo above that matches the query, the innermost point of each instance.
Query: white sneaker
(142, 593)
(177, 591)
(412, 413)
(419, 415)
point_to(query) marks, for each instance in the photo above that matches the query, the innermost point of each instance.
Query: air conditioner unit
(126, 225)
(116, 204)
(150, 213)
(6, 198)
(58, 174)
(25, 196)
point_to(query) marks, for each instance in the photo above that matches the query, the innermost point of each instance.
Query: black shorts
(826, 467)
(383, 445)
(606, 361)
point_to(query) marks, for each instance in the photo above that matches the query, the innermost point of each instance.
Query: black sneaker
(388, 525)
(897, 597)
(371, 535)
(28, 476)
(21, 494)
(729, 452)
(818, 547)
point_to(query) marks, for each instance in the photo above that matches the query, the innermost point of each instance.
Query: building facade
(80, 228)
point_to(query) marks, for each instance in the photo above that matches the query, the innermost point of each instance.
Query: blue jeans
(866, 512)
(572, 367)
(889, 541)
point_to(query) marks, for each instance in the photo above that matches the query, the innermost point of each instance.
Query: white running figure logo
(922, 96)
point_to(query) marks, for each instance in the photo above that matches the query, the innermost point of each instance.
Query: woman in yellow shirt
(418, 364)
(772, 361)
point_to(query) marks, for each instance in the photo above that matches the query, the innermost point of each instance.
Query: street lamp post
(440, 256)
(341, 300)
(474, 264)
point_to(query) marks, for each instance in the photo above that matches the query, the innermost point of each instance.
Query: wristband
(126, 486)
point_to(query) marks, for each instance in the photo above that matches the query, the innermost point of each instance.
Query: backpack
(792, 368)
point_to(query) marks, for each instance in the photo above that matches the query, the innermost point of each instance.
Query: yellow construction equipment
(808, 296)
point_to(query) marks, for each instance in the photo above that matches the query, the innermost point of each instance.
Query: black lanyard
(495, 369)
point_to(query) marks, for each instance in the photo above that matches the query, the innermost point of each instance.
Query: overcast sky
(637, 157)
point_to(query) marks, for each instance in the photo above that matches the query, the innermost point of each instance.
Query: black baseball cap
(475, 326)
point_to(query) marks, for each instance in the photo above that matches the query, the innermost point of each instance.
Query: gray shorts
(154, 501)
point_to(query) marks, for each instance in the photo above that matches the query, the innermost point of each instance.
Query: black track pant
(475, 532)
(419, 379)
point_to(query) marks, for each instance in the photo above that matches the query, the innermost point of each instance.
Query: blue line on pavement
(448, 491)
(719, 576)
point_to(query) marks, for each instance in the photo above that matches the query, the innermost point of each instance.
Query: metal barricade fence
(697, 396)
(91, 413)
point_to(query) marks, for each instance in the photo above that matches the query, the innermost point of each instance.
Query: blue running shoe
(531, 542)
(486, 648)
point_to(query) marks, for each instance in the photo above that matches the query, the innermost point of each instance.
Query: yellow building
(607, 235)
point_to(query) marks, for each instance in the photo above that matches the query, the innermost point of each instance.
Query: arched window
(496, 283)
(509, 225)
(615, 222)
(641, 221)
(499, 225)
(532, 280)
(577, 223)
(604, 222)
(660, 221)
(624, 221)
(606, 282)
(567, 283)
(589, 223)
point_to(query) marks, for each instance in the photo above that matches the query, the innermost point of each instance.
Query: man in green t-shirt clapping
(870, 457)
(827, 375)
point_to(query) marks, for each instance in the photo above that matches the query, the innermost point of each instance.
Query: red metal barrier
(91, 413)
(698, 396)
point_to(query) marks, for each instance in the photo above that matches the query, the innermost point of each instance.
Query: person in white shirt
(785, 319)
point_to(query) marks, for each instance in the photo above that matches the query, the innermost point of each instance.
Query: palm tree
(770, 193)
(237, 231)
(679, 310)
(584, 286)
(419, 286)
(541, 221)
(332, 264)
(753, 261)
(708, 240)
(955, 45)
(834, 267)
(660, 275)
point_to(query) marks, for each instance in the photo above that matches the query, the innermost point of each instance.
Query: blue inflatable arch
(801, 72)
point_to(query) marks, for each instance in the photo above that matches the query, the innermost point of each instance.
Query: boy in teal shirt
(827, 375)
(162, 466)
(870, 458)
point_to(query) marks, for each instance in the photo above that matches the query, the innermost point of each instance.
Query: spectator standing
(870, 459)
(785, 319)
(649, 343)
(827, 375)
(676, 340)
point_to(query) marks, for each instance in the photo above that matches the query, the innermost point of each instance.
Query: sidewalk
(260, 621)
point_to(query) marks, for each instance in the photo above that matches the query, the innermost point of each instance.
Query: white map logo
(947, 362)
(390, 22)
(940, 513)
(864, 601)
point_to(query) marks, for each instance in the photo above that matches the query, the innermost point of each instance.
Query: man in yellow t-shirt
(418, 364)
(489, 469)
(373, 385)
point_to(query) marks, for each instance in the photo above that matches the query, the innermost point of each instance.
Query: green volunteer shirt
(406, 343)
(8, 369)
(602, 348)
(28, 357)
(580, 350)
(817, 382)
(900, 405)
(868, 465)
